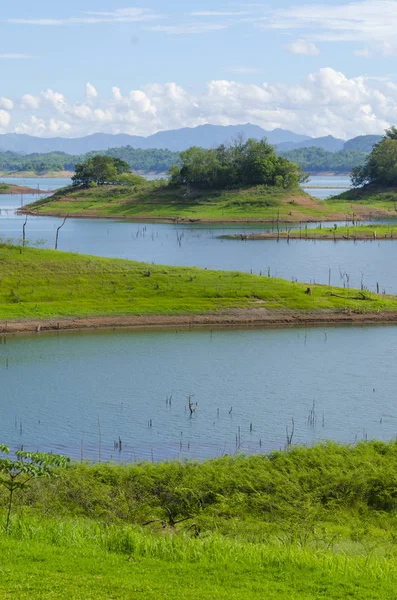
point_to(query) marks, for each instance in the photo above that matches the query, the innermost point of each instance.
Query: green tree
(242, 163)
(380, 168)
(18, 474)
(100, 170)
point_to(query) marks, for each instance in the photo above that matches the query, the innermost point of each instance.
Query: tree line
(157, 161)
(317, 160)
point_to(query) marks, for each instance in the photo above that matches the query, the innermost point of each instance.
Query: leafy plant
(17, 474)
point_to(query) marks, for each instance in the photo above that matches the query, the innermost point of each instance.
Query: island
(244, 182)
(6, 188)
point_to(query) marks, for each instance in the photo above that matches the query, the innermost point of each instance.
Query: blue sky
(314, 67)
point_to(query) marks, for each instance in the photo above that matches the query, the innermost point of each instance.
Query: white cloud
(120, 15)
(4, 119)
(373, 21)
(325, 102)
(30, 102)
(218, 13)
(242, 70)
(91, 91)
(190, 28)
(17, 56)
(6, 103)
(56, 99)
(302, 46)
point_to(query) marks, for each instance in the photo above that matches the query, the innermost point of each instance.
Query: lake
(59, 391)
(199, 245)
(324, 186)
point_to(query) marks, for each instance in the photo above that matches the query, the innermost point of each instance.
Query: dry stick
(100, 439)
(24, 232)
(60, 227)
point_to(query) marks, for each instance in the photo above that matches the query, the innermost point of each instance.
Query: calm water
(323, 186)
(43, 183)
(55, 388)
(58, 390)
(199, 245)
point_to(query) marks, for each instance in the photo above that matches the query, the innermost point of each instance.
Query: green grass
(167, 567)
(160, 201)
(376, 231)
(348, 232)
(46, 284)
(309, 523)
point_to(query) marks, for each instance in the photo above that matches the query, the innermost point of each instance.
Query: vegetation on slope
(309, 523)
(47, 284)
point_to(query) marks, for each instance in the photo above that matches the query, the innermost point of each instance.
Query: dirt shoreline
(256, 318)
(374, 214)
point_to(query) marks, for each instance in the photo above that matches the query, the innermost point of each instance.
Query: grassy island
(354, 232)
(164, 202)
(51, 289)
(6, 188)
(309, 524)
(244, 182)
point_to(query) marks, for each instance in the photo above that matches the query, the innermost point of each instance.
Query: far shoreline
(248, 319)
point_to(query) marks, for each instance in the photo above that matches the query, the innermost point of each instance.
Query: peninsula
(48, 289)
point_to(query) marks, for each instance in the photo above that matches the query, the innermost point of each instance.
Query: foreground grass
(309, 523)
(162, 201)
(159, 567)
(47, 284)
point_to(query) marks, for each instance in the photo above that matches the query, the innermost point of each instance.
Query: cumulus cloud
(325, 102)
(90, 91)
(30, 102)
(4, 119)
(302, 46)
(6, 103)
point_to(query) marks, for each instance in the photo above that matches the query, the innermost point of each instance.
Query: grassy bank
(38, 175)
(348, 232)
(6, 188)
(309, 523)
(42, 284)
(161, 201)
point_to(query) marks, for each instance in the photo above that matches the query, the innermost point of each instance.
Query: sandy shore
(259, 318)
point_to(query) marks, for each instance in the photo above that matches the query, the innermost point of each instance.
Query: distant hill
(363, 143)
(328, 143)
(206, 136)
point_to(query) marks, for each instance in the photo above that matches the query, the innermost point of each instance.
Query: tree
(17, 474)
(380, 168)
(100, 170)
(250, 162)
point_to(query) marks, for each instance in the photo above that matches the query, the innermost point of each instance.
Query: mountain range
(207, 136)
